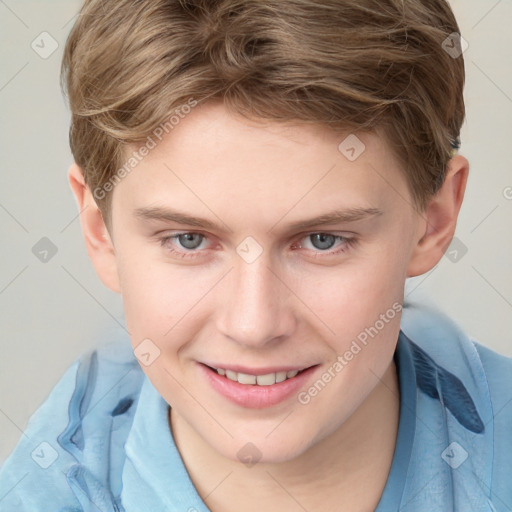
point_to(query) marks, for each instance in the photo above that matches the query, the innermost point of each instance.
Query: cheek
(359, 308)
(152, 297)
(162, 302)
(350, 297)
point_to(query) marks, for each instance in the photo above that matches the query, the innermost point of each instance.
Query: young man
(257, 180)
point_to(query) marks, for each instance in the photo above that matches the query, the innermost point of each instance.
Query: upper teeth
(261, 380)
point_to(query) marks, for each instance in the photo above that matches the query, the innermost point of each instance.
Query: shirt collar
(154, 475)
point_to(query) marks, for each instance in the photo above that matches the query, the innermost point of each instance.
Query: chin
(263, 451)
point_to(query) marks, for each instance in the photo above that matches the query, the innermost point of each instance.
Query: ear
(97, 238)
(440, 218)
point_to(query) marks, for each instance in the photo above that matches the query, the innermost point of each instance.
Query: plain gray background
(53, 311)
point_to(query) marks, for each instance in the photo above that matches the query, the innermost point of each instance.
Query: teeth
(260, 380)
(243, 378)
(280, 376)
(266, 380)
(231, 375)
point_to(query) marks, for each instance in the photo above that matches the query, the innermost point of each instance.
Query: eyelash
(349, 242)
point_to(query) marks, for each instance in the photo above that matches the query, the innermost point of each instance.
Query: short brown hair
(345, 64)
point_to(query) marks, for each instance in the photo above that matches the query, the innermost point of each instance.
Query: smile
(259, 380)
(266, 389)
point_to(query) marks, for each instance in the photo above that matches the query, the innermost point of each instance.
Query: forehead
(212, 160)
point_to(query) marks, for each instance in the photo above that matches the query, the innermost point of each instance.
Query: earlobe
(440, 219)
(98, 241)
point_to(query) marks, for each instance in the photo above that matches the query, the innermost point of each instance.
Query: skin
(298, 303)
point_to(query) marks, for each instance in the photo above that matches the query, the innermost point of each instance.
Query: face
(262, 249)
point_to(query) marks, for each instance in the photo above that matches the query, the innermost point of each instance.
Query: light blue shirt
(101, 441)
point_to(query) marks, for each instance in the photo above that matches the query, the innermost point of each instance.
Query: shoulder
(471, 386)
(498, 367)
(446, 342)
(76, 434)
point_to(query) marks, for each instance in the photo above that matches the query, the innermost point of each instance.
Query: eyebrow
(337, 216)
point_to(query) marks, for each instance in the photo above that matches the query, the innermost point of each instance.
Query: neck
(352, 462)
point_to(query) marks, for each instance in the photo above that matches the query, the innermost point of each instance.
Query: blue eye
(322, 240)
(190, 240)
(320, 243)
(183, 245)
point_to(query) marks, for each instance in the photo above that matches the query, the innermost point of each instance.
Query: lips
(243, 389)
(257, 378)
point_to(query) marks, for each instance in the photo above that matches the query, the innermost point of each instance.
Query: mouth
(257, 389)
(266, 379)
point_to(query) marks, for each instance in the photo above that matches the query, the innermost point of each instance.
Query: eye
(183, 245)
(321, 243)
(190, 240)
(322, 240)
(193, 245)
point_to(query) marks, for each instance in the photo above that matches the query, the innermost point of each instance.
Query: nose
(257, 306)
